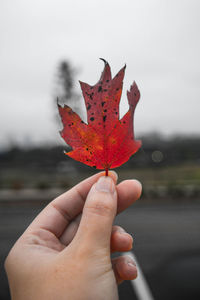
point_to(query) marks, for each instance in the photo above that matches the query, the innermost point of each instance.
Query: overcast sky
(159, 40)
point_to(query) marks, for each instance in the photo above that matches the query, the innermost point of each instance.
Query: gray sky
(159, 41)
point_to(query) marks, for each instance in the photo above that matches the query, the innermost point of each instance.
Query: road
(166, 244)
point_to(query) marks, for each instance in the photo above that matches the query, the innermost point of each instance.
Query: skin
(65, 253)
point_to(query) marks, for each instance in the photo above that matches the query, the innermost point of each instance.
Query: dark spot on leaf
(87, 149)
(89, 106)
(116, 113)
(92, 119)
(72, 123)
(92, 114)
(91, 87)
(124, 122)
(135, 94)
(107, 80)
(104, 118)
(90, 95)
(102, 103)
(94, 103)
(100, 89)
(105, 90)
(117, 89)
(82, 122)
(105, 110)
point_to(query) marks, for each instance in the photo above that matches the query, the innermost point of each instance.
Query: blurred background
(46, 47)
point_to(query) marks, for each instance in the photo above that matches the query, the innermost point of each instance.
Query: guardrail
(140, 284)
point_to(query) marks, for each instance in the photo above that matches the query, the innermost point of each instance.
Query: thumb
(98, 214)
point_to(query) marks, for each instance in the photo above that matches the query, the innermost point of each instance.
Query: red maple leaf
(105, 142)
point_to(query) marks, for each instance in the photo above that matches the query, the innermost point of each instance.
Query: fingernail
(105, 184)
(131, 264)
(121, 230)
(124, 233)
(130, 236)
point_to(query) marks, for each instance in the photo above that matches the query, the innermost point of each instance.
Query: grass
(179, 174)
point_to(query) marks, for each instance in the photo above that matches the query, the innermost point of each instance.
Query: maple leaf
(104, 142)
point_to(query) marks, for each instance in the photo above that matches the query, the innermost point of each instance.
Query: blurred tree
(65, 92)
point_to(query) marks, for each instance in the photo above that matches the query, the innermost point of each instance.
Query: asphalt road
(167, 247)
(166, 244)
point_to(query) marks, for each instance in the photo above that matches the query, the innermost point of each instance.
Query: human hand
(65, 252)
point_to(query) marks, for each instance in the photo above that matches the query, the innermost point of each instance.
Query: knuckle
(9, 262)
(6, 262)
(100, 208)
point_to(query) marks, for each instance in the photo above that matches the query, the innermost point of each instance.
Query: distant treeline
(155, 151)
(158, 150)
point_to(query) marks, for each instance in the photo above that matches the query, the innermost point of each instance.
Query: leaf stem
(106, 170)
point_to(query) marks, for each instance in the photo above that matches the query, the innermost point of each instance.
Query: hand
(65, 252)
